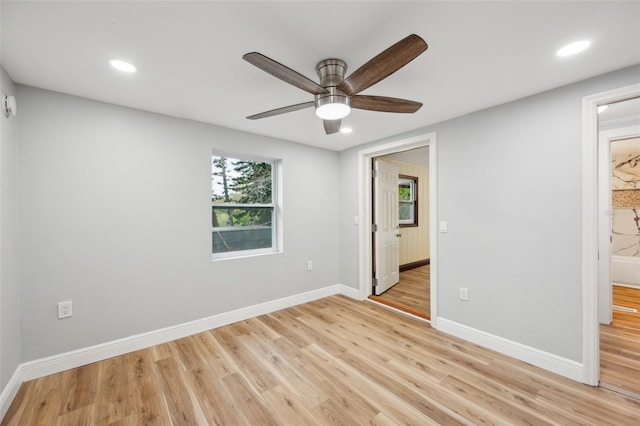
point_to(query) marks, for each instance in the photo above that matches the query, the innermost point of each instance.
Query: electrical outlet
(464, 293)
(309, 265)
(65, 309)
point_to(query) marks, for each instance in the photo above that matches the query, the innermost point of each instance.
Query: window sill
(243, 254)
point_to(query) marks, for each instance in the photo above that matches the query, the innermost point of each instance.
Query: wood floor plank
(80, 388)
(147, 403)
(382, 377)
(43, 405)
(360, 387)
(294, 380)
(113, 399)
(334, 361)
(247, 402)
(260, 378)
(81, 416)
(176, 395)
(286, 408)
(412, 293)
(17, 408)
(620, 344)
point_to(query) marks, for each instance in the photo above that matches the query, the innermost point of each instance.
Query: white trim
(625, 285)
(554, 363)
(351, 292)
(433, 228)
(10, 390)
(56, 363)
(590, 330)
(364, 210)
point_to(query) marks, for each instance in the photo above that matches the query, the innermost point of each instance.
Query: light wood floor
(334, 361)
(620, 344)
(412, 294)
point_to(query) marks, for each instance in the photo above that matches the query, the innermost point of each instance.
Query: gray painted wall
(115, 212)
(9, 286)
(114, 215)
(510, 187)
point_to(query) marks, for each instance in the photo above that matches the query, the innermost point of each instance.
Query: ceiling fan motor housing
(331, 73)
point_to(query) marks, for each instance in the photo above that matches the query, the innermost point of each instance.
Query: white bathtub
(626, 270)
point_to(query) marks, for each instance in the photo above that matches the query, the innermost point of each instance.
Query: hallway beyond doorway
(412, 294)
(620, 344)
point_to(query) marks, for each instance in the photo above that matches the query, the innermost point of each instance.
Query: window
(243, 209)
(408, 199)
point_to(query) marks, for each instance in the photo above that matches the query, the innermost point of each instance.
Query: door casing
(591, 228)
(365, 211)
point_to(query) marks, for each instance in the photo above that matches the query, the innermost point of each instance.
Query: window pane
(405, 212)
(242, 228)
(241, 238)
(241, 181)
(404, 191)
(229, 216)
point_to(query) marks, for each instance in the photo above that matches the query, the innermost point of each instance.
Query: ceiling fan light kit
(335, 95)
(334, 105)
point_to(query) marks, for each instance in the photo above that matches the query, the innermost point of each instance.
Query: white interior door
(387, 249)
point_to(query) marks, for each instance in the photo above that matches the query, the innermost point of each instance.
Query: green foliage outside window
(241, 182)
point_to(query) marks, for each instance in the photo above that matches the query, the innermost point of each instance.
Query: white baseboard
(10, 390)
(548, 361)
(57, 363)
(351, 292)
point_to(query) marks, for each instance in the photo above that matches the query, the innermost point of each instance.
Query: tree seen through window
(242, 204)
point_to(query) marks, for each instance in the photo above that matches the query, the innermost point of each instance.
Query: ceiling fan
(335, 95)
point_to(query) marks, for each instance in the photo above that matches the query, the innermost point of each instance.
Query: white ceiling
(189, 55)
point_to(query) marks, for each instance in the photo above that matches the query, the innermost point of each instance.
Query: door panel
(387, 252)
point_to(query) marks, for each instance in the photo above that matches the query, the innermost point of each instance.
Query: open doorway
(619, 268)
(365, 157)
(411, 291)
(596, 224)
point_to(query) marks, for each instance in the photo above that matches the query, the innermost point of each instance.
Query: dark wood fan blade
(332, 126)
(384, 104)
(282, 110)
(284, 73)
(383, 65)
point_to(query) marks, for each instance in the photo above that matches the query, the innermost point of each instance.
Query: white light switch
(443, 226)
(356, 220)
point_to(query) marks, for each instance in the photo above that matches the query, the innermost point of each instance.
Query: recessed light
(574, 48)
(346, 130)
(602, 108)
(123, 66)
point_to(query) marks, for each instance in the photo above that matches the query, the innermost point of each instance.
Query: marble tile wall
(625, 171)
(625, 181)
(626, 232)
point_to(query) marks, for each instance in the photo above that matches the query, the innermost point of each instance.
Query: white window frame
(275, 205)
